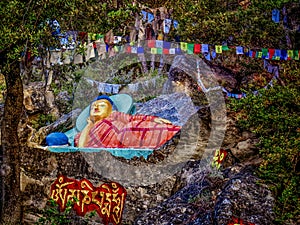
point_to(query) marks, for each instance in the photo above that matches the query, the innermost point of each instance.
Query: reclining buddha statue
(107, 128)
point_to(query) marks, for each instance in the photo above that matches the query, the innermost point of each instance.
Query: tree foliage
(273, 116)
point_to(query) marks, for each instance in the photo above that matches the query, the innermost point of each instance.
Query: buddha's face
(100, 109)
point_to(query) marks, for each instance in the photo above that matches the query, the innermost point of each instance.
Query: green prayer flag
(225, 48)
(190, 48)
(258, 54)
(159, 51)
(296, 54)
(265, 52)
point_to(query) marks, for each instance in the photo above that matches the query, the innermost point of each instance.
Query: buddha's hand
(162, 121)
(89, 121)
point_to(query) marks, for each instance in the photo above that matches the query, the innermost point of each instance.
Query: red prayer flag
(271, 53)
(151, 43)
(166, 51)
(197, 48)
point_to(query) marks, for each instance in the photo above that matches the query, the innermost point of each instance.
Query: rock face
(211, 197)
(37, 99)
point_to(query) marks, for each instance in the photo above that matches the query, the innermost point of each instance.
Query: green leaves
(274, 118)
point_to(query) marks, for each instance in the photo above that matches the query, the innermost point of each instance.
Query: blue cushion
(56, 138)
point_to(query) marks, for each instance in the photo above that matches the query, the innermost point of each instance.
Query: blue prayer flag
(167, 44)
(275, 15)
(150, 17)
(204, 48)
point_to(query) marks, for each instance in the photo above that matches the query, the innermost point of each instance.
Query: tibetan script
(107, 200)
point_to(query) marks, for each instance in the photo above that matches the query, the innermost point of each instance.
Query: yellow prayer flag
(153, 50)
(183, 46)
(218, 49)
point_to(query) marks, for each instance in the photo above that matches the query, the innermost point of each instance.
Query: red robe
(121, 130)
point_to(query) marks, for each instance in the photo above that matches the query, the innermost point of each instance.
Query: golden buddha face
(100, 109)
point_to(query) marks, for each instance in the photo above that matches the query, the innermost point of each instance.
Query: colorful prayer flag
(277, 54)
(172, 51)
(154, 51)
(159, 44)
(140, 50)
(275, 15)
(290, 54)
(133, 49)
(225, 48)
(204, 48)
(283, 54)
(190, 48)
(271, 53)
(177, 51)
(264, 53)
(166, 51)
(239, 50)
(159, 50)
(167, 44)
(218, 49)
(151, 43)
(128, 49)
(175, 24)
(213, 54)
(197, 48)
(150, 17)
(207, 56)
(258, 54)
(296, 54)
(183, 46)
(144, 13)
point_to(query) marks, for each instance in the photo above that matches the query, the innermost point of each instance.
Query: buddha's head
(101, 108)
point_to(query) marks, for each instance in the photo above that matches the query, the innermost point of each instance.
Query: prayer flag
(183, 46)
(167, 44)
(177, 51)
(159, 44)
(151, 43)
(290, 54)
(258, 54)
(144, 13)
(175, 24)
(218, 49)
(167, 25)
(239, 50)
(271, 53)
(172, 51)
(133, 49)
(213, 54)
(283, 54)
(225, 48)
(275, 15)
(116, 48)
(190, 48)
(197, 48)
(140, 50)
(277, 54)
(107, 88)
(253, 54)
(204, 48)
(246, 50)
(296, 54)
(159, 50)
(150, 17)
(264, 53)
(166, 51)
(154, 51)
(207, 56)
